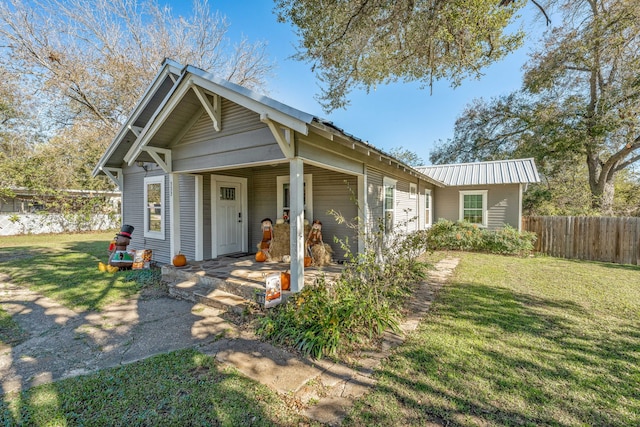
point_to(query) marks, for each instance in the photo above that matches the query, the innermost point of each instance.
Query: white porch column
(174, 208)
(363, 214)
(199, 217)
(296, 219)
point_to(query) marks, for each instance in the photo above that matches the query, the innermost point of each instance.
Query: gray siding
(338, 192)
(406, 209)
(133, 204)
(188, 216)
(374, 196)
(242, 140)
(262, 200)
(235, 120)
(330, 191)
(502, 204)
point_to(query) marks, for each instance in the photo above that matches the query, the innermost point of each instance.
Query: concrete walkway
(64, 343)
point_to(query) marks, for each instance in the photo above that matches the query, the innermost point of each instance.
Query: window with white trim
(413, 190)
(428, 213)
(154, 207)
(283, 196)
(389, 203)
(473, 207)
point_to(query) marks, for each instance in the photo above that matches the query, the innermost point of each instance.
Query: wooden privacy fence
(606, 239)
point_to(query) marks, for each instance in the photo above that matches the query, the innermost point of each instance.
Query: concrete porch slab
(241, 276)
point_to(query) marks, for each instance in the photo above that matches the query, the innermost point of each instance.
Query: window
(283, 196)
(413, 190)
(389, 204)
(154, 207)
(428, 216)
(473, 207)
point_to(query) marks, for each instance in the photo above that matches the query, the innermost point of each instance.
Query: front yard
(519, 341)
(510, 341)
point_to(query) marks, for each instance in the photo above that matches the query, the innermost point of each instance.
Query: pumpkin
(285, 281)
(179, 260)
(307, 261)
(261, 256)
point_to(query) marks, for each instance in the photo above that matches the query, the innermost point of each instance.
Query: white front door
(228, 220)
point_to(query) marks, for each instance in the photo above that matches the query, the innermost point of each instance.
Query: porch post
(363, 214)
(199, 207)
(174, 208)
(296, 219)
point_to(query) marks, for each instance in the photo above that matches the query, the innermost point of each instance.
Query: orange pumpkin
(285, 281)
(179, 260)
(261, 256)
(307, 261)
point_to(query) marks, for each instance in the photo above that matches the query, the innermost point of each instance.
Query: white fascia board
(168, 67)
(164, 110)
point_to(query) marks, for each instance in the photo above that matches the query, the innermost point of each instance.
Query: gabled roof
(173, 81)
(142, 112)
(516, 171)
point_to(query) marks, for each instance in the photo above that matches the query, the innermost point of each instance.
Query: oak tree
(364, 43)
(80, 67)
(580, 101)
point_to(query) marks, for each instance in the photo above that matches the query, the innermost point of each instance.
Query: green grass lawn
(183, 388)
(511, 341)
(518, 341)
(64, 267)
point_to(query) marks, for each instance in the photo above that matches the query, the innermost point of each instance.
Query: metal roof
(127, 143)
(516, 171)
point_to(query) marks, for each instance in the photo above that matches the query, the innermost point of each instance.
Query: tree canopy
(579, 101)
(100, 55)
(72, 71)
(364, 43)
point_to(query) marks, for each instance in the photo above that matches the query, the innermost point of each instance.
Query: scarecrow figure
(315, 236)
(267, 238)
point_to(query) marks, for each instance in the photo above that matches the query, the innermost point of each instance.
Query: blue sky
(392, 116)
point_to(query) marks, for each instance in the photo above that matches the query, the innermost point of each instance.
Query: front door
(228, 217)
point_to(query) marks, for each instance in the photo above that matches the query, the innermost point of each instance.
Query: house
(201, 161)
(486, 193)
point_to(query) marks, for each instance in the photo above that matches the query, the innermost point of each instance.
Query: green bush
(366, 300)
(464, 236)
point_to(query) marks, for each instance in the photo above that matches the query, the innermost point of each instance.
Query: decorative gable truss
(213, 107)
(282, 134)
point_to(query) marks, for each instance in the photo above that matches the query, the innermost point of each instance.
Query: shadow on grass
(486, 355)
(611, 265)
(176, 388)
(179, 388)
(68, 273)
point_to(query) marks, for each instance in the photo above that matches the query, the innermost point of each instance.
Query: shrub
(464, 236)
(365, 301)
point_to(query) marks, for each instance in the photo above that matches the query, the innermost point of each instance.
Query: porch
(233, 282)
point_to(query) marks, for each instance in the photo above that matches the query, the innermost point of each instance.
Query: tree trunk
(601, 181)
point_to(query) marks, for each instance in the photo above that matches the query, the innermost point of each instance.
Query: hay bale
(321, 254)
(280, 245)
